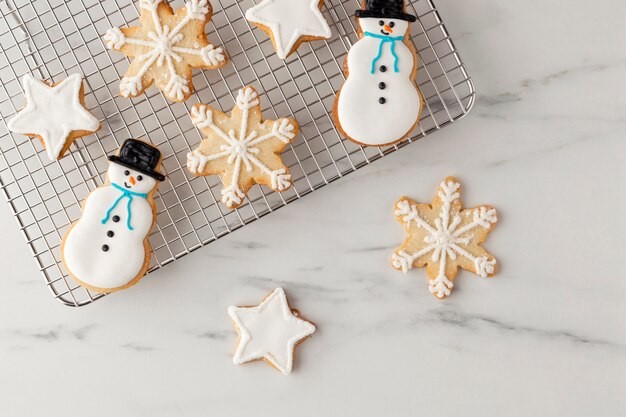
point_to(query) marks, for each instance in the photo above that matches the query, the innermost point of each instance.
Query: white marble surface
(547, 337)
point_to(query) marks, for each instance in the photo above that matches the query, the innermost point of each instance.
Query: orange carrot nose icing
(388, 29)
(132, 180)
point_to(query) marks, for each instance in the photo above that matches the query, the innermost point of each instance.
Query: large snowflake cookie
(107, 249)
(54, 113)
(269, 331)
(242, 148)
(379, 103)
(165, 46)
(290, 22)
(444, 237)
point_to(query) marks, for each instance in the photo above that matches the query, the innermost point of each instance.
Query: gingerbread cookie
(165, 47)
(288, 23)
(107, 248)
(269, 331)
(242, 148)
(54, 113)
(379, 103)
(443, 237)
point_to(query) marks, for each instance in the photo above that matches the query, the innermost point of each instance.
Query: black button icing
(383, 68)
(382, 85)
(116, 219)
(382, 100)
(110, 233)
(105, 248)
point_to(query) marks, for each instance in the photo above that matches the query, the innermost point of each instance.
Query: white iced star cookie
(269, 331)
(290, 22)
(54, 113)
(242, 147)
(443, 237)
(165, 47)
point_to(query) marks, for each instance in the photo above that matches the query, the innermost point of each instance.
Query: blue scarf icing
(129, 195)
(383, 40)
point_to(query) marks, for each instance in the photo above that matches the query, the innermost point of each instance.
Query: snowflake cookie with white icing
(443, 237)
(269, 331)
(242, 147)
(289, 23)
(54, 113)
(166, 46)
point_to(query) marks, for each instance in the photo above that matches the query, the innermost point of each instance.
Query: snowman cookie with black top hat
(379, 103)
(107, 249)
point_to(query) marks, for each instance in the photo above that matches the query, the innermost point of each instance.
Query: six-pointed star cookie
(269, 331)
(290, 22)
(165, 46)
(242, 148)
(55, 114)
(443, 237)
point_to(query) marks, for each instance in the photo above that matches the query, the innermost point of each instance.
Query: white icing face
(130, 179)
(382, 26)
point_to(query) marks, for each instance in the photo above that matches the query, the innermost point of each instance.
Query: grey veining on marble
(544, 144)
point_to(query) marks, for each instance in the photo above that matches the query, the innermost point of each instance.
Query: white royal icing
(289, 20)
(269, 331)
(123, 261)
(240, 148)
(163, 49)
(53, 112)
(359, 113)
(444, 237)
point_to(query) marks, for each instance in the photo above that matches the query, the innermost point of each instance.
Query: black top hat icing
(139, 156)
(390, 9)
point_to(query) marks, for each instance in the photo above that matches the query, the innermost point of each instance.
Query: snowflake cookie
(54, 113)
(443, 237)
(270, 331)
(165, 46)
(242, 148)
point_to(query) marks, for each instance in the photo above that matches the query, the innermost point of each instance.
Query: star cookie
(165, 47)
(54, 113)
(444, 237)
(290, 22)
(242, 148)
(269, 331)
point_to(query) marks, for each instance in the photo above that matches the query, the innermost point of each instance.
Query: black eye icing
(139, 177)
(381, 22)
(392, 24)
(127, 172)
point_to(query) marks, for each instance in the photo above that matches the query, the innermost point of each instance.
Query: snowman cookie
(242, 148)
(289, 23)
(379, 103)
(165, 47)
(54, 113)
(107, 249)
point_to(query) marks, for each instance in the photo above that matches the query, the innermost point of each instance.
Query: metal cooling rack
(54, 38)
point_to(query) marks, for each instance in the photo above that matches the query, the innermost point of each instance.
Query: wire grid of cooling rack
(51, 39)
